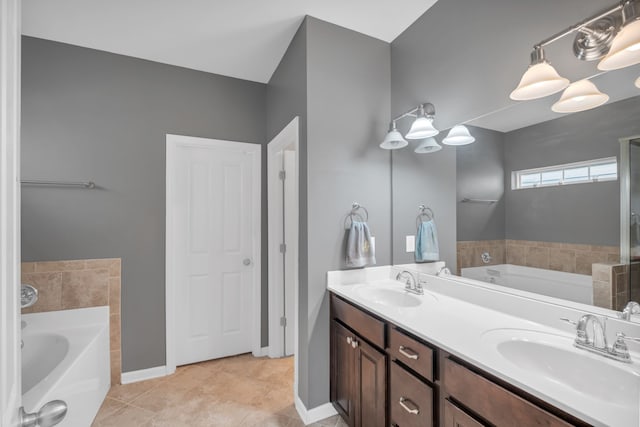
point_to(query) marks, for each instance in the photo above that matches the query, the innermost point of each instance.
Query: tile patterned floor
(241, 391)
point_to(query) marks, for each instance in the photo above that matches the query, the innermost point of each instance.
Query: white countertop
(462, 329)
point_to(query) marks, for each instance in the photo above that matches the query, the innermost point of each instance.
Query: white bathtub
(66, 356)
(558, 284)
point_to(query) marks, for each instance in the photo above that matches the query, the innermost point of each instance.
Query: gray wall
(580, 213)
(348, 110)
(286, 99)
(480, 175)
(88, 114)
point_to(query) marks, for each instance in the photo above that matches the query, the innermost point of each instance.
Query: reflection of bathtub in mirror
(557, 284)
(65, 361)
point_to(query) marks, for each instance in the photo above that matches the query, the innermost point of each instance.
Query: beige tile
(129, 392)
(536, 256)
(116, 367)
(127, 416)
(114, 295)
(602, 272)
(28, 267)
(515, 254)
(109, 407)
(561, 259)
(85, 288)
(49, 286)
(602, 295)
(115, 268)
(621, 282)
(585, 259)
(43, 266)
(114, 331)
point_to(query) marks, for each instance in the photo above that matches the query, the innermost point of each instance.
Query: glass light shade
(538, 81)
(638, 83)
(429, 145)
(580, 96)
(421, 128)
(393, 140)
(625, 49)
(458, 135)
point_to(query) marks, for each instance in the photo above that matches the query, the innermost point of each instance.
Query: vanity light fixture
(580, 96)
(393, 140)
(429, 145)
(423, 128)
(458, 135)
(613, 35)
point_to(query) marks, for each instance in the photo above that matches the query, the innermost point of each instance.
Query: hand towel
(427, 242)
(360, 250)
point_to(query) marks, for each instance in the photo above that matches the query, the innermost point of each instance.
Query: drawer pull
(349, 340)
(404, 402)
(354, 343)
(408, 353)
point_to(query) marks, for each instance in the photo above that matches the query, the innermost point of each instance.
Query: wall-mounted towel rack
(485, 201)
(425, 213)
(88, 184)
(360, 213)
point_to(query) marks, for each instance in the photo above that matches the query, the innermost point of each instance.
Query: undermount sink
(553, 358)
(391, 294)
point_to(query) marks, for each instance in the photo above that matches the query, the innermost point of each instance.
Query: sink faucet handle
(622, 336)
(620, 349)
(572, 322)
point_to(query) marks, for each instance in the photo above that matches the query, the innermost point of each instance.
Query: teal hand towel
(427, 242)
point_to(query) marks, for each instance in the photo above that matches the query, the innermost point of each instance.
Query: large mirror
(535, 201)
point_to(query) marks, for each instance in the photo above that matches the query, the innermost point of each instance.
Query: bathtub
(558, 284)
(66, 356)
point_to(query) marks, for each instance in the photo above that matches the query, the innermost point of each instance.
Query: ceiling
(243, 38)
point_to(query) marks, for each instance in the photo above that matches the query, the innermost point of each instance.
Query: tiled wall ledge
(65, 285)
(568, 257)
(611, 284)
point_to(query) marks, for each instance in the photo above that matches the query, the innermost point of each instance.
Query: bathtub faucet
(28, 295)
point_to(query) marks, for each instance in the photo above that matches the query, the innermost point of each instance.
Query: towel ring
(425, 212)
(358, 212)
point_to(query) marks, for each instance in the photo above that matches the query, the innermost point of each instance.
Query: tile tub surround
(65, 285)
(242, 391)
(567, 257)
(611, 284)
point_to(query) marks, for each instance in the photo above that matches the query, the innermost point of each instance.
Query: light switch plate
(410, 243)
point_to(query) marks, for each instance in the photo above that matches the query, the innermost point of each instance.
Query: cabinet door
(455, 417)
(371, 385)
(343, 362)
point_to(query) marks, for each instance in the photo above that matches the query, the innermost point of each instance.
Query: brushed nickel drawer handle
(408, 353)
(404, 402)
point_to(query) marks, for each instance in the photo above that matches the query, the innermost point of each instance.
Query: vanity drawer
(456, 417)
(367, 326)
(492, 402)
(411, 400)
(411, 353)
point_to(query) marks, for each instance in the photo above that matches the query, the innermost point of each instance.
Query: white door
(291, 240)
(10, 382)
(216, 237)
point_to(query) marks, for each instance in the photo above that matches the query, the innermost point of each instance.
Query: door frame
(10, 363)
(287, 136)
(173, 142)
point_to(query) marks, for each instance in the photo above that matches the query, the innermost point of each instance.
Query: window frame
(516, 176)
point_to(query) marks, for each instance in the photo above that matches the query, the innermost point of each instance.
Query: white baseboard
(144, 374)
(310, 416)
(264, 351)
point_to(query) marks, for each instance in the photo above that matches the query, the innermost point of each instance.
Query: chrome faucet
(410, 283)
(631, 308)
(28, 295)
(591, 335)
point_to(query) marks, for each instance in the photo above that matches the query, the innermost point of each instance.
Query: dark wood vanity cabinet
(384, 376)
(358, 368)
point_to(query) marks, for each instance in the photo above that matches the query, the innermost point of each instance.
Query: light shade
(458, 135)
(625, 49)
(421, 128)
(393, 140)
(579, 96)
(638, 82)
(538, 81)
(429, 145)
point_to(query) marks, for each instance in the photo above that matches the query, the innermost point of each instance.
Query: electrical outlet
(410, 243)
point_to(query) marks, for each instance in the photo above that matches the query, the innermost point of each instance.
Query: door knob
(246, 261)
(49, 415)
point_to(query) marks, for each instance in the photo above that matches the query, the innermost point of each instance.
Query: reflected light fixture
(580, 96)
(625, 49)
(429, 145)
(540, 79)
(422, 126)
(458, 135)
(393, 140)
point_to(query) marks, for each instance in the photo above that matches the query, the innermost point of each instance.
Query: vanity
(452, 357)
